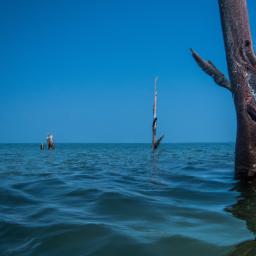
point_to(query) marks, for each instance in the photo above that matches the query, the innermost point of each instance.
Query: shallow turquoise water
(120, 199)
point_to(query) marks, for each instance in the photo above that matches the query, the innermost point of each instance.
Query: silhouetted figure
(50, 141)
(42, 146)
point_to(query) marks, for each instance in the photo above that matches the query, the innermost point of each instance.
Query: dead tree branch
(209, 68)
(249, 52)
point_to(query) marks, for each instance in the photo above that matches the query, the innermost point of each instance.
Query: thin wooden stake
(155, 141)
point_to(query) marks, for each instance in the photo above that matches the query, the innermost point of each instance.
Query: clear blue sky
(84, 70)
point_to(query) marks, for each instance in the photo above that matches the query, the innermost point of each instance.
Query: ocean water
(120, 199)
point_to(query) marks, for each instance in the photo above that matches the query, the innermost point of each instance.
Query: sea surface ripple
(120, 199)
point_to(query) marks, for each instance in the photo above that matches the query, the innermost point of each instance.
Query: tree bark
(241, 63)
(155, 141)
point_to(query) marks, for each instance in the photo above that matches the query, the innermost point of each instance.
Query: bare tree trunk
(154, 125)
(155, 141)
(242, 72)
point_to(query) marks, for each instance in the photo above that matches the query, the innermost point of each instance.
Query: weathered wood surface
(241, 63)
(155, 142)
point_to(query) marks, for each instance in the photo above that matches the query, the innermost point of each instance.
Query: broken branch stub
(209, 68)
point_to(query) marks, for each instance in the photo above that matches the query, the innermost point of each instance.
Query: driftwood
(241, 61)
(155, 142)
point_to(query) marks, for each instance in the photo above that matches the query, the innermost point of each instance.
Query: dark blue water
(119, 199)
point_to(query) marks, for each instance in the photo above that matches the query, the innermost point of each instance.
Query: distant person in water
(50, 141)
(42, 146)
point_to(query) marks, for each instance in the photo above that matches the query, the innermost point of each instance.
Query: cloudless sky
(84, 70)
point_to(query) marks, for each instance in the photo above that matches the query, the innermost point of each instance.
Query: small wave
(120, 200)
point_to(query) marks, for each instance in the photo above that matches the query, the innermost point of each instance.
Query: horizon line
(149, 143)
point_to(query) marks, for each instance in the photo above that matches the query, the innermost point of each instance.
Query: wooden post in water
(155, 141)
(241, 62)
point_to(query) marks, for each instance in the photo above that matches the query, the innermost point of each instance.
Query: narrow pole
(155, 141)
(154, 125)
